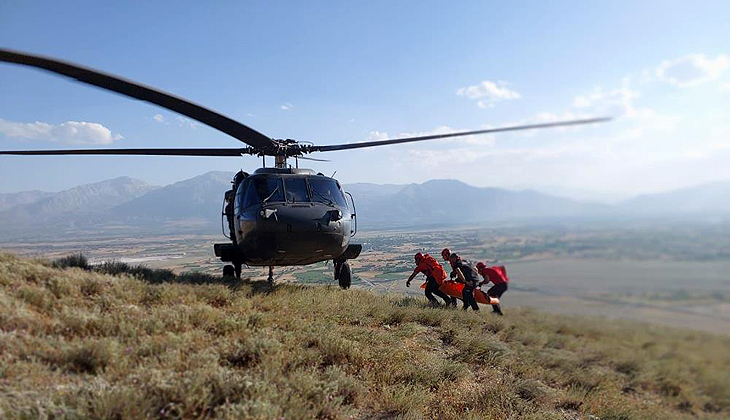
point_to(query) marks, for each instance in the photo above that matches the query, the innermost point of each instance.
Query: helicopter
(277, 216)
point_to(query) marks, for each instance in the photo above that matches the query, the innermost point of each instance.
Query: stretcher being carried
(454, 288)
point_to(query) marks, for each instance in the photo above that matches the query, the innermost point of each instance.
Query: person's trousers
(432, 288)
(496, 291)
(468, 296)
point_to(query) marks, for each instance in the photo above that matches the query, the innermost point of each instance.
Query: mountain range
(194, 205)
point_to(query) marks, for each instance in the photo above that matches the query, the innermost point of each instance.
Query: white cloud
(617, 102)
(186, 122)
(480, 139)
(287, 106)
(70, 132)
(692, 69)
(725, 87)
(158, 118)
(488, 93)
(377, 135)
(621, 103)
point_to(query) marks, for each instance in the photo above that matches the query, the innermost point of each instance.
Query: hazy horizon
(558, 191)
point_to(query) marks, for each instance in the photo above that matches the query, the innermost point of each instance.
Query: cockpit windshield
(326, 191)
(264, 189)
(296, 190)
(272, 189)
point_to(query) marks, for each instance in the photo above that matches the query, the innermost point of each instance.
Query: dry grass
(77, 343)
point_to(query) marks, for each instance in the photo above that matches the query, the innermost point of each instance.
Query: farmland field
(677, 276)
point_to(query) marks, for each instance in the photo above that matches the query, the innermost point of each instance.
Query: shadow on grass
(163, 275)
(146, 274)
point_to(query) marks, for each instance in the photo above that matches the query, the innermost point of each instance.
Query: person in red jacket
(498, 276)
(435, 276)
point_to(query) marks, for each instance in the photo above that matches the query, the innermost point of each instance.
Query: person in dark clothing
(435, 276)
(466, 274)
(498, 276)
(230, 197)
(446, 254)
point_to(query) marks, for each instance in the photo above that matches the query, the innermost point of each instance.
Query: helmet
(454, 257)
(418, 257)
(445, 253)
(481, 266)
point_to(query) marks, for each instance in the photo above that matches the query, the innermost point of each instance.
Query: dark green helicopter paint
(287, 216)
(295, 225)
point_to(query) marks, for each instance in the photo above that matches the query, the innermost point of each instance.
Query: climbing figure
(435, 276)
(498, 276)
(466, 274)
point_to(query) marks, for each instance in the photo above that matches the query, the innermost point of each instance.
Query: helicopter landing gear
(228, 271)
(237, 269)
(343, 274)
(271, 277)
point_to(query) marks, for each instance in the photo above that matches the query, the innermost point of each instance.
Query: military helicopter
(277, 216)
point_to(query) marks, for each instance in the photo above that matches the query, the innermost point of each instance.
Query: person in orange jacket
(498, 276)
(435, 276)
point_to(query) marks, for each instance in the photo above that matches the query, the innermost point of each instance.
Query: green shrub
(74, 260)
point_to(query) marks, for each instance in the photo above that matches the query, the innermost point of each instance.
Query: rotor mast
(280, 161)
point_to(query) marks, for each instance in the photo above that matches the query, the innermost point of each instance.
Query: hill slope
(80, 344)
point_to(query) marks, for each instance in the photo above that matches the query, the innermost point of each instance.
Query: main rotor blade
(149, 152)
(135, 90)
(314, 159)
(462, 133)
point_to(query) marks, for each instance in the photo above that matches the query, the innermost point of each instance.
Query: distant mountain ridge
(74, 203)
(713, 198)
(194, 205)
(453, 202)
(8, 201)
(191, 198)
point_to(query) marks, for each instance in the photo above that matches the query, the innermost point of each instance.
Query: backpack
(470, 273)
(437, 271)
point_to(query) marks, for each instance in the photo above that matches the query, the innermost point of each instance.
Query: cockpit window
(262, 189)
(296, 190)
(327, 191)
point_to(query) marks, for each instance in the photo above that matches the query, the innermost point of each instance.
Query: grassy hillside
(81, 344)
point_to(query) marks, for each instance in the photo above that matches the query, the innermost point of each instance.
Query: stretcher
(453, 289)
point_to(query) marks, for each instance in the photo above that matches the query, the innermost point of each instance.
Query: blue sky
(336, 73)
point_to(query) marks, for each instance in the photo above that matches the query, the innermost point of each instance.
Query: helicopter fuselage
(287, 216)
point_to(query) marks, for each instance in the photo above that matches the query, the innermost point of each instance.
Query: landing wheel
(271, 277)
(228, 271)
(343, 274)
(237, 269)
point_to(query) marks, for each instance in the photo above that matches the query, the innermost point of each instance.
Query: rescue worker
(467, 274)
(445, 253)
(435, 276)
(498, 276)
(230, 197)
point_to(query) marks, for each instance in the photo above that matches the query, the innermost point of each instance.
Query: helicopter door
(353, 230)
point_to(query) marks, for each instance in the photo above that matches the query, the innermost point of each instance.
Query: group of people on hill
(466, 275)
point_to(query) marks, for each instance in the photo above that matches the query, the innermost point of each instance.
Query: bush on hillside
(74, 260)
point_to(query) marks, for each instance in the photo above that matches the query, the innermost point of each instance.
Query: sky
(333, 73)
